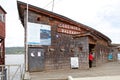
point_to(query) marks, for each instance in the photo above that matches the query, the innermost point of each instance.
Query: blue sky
(102, 15)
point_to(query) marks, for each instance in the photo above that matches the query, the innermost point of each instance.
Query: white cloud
(14, 29)
(102, 15)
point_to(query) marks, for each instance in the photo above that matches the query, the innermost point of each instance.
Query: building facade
(2, 36)
(115, 51)
(53, 41)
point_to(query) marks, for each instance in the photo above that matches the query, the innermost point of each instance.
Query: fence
(11, 72)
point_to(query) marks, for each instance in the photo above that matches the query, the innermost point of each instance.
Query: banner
(38, 34)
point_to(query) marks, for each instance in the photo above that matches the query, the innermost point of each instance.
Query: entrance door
(91, 49)
(35, 59)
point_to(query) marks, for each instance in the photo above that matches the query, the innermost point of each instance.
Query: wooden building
(2, 36)
(54, 41)
(115, 50)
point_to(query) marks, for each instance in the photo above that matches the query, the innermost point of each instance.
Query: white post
(70, 78)
(53, 6)
(26, 46)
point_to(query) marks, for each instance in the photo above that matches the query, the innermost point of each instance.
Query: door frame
(36, 58)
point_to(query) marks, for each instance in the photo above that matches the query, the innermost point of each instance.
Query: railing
(11, 72)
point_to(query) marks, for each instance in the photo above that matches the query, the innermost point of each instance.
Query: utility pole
(26, 46)
(53, 5)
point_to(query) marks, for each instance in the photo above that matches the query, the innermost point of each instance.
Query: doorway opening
(92, 61)
(91, 47)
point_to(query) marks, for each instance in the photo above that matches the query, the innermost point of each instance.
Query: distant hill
(14, 50)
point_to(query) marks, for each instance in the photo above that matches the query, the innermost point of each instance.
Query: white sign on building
(118, 56)
(38, 34)
(74, 62)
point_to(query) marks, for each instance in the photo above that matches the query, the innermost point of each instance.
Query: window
(0, 39)
(2, 17)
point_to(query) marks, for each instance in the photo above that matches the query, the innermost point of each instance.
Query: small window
(38, 19)
(72, 50)
(2, 17)
(80, 48)
(0, 40)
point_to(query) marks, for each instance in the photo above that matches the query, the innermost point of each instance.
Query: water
(13, 59)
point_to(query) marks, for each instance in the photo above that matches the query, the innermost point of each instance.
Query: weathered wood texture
(2, 24)
(65, 46)
(2, 36)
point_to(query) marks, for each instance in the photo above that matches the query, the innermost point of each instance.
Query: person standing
(90, 59)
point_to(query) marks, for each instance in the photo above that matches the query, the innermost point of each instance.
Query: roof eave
(57, 16)
(3, 10)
